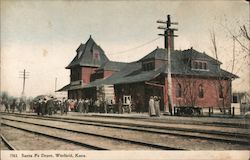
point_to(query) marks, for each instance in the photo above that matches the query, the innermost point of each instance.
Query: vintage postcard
(125, 80)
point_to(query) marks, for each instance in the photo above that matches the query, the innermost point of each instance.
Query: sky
(42, 36)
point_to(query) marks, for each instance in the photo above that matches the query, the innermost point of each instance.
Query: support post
(233, 112)
(209, 111)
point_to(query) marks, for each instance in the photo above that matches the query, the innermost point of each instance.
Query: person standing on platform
(151, 107)
(6, 104)
(87, 102)
(80, 106)
(13, 105)
(66, 106)
(157, 106)
(84, 105)
(43, 106)
(104, 103)
(50, 105)
(129, 105)
(38, 107)
(120, 106)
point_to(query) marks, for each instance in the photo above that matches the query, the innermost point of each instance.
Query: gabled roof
(180, 65)
(89, 54)
(161, 54)
(158, 53)
(196, 55)
(118, 76)
(112, 66)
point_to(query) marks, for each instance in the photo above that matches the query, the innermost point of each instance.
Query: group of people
(154, 106)
(48, 105)
(121, 108)
(83, 105)
(89, 105)
(15, 104)
(51, 105)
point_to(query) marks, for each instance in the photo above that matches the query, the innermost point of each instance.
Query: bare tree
(222, 87)
(241, 37)
(189, 83)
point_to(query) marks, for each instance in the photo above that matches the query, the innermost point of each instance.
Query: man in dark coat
(120, 111)
(38, 106)
(43, 107)
(50, 105)
(6, 104)
(66, 106)
(13, 106)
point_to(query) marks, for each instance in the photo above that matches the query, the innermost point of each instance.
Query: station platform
(167, 118)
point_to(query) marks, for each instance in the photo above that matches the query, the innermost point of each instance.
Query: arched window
(196, 65)
(221, 92)
(200, 65)
(178, 90)
(200, 91)
(205, 66)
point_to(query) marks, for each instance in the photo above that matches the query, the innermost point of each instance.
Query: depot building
(197, 79)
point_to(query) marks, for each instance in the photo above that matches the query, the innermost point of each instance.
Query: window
(75, 74)
(221, 92)
(199, 65)
(201, 91)
(204, 66)
(235, 99)
(195, 65)
(126, 100)
(147, 66)
(178, 90)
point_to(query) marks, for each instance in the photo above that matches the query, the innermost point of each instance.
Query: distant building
(197, 79)
(240, 102)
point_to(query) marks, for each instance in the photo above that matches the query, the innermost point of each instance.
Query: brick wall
(190, 92)
(86, 74)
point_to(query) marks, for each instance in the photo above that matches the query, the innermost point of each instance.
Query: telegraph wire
(139, 46)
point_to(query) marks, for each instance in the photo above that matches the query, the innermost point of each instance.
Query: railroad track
(55, 137)
(128, 142)
(196, 122)
(163, 121)
(221, 137)
(228, 137)
(7, 143)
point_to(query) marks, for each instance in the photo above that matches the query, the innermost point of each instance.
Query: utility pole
(55, 83)
(24, 75)
(169, 46)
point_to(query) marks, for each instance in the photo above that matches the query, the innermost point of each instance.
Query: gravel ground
(93, 140)
(163, 139)
(22, 140)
